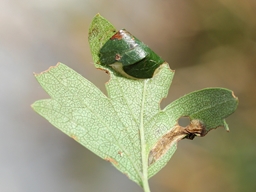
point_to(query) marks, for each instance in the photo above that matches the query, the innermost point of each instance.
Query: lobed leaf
(127, 126)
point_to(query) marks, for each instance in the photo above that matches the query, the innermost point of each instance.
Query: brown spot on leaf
(74, 137)
(93, 33)
(118, 57)
(120, 153)
(117, 36)
(195, 128)
(127, 175)
(111, 160)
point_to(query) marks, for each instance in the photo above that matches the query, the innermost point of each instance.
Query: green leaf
(99, 33)
(207, 109)
(127, 127)
(112, 127)
(129, 56)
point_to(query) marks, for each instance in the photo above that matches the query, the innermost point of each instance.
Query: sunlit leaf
(127, 127)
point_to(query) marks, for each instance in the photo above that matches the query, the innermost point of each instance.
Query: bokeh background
(208, 43)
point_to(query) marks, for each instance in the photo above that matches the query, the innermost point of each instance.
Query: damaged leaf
(129, 56)
(126, 127)
(207, 110)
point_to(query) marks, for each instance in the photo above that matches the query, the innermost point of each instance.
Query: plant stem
(143, 144)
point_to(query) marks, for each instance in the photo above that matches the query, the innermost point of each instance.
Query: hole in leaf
(184, 121)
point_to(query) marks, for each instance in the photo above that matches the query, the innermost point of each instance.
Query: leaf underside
(110, 126)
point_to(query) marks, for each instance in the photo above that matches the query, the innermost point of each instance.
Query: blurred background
(208, 43)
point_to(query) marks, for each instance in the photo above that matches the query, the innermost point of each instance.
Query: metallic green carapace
(129, 56)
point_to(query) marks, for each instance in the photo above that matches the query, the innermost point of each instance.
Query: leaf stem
(143, 144)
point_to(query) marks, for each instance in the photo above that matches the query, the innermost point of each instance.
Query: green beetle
(129, 56)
